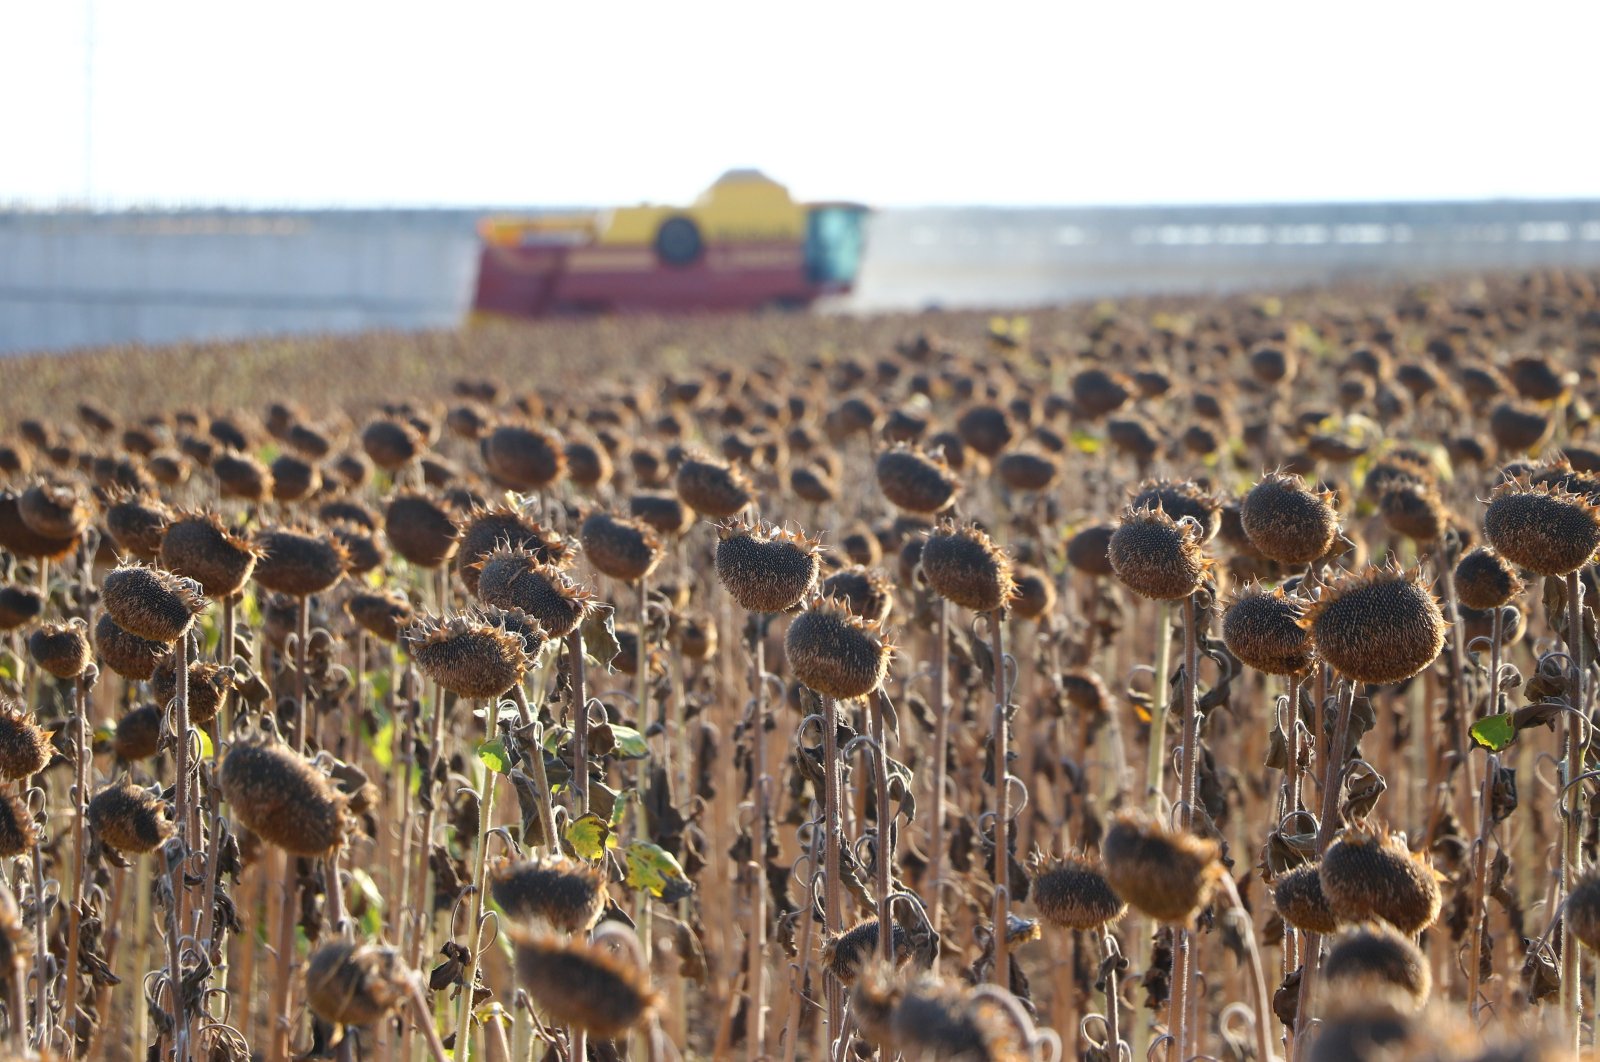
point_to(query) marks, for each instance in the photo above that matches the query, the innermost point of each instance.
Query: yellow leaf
(590, 836)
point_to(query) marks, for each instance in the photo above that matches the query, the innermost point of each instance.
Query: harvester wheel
(678, 242)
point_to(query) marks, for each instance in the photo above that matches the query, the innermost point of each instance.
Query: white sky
(379, 102)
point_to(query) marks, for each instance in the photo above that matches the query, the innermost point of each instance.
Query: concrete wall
(70, 280)
(73, 279)
(964, 257)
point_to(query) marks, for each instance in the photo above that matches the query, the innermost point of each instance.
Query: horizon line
(72, 206)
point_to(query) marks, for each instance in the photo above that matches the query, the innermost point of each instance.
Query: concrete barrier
(79, 279)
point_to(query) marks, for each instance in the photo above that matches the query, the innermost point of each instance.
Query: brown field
(603, 689)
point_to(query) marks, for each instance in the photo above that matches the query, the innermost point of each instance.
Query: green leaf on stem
(653, 869)
(362, 887)
(555, 737)
(493, 755)
(382, 744)
(1494, 732)
(590, 836)
(492, 1011)
(619, 807)
(630, 743)
(378, 685)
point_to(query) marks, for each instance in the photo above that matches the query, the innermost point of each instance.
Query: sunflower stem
(799, 1005)
(883, 858)
(1455, 691)
(182, 799)
(469, 972)
(1327, 826)
(1258, 980)
(941, 744)
(641, 678)
(642, 707)
(1292, 803)
(1112, 952)
(1480, 852)
(1156, 764)
(833, 896)
(1333, 768)
(281, 1015)
(420, 903)
(1002, 807)
(1295, 797)
(424, 1019)
(496, 1048)
(334, 885)
(580, 726)
(282, 906)
(1480, 881)
(80, 770)
(580, 775)
(225, 640)
(302, 636)
(16, 1008)
(756, 936)
(1572, 811)
(1182, 955)
(541, 779)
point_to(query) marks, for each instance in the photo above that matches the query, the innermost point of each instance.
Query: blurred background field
(74, 279)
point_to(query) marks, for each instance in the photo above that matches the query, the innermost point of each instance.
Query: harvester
(743, 245)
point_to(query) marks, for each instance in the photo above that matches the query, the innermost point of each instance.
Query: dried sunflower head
(421, 528)
(471, 655)
(24, 747)
(1368, 873)
(515, 578)
(964, 566)
(558, 895)
(765, 568)
(1074, 892)
(129, 818)
(484, 530)
(581, 984)
(1157, 557)
(1484, 580)
(712, 488)
(60, 648)
(299, 562)
(1166, 874)
(151, 602)
(1380, 626)
(354, 984)
(1287, 521)
(836, 653)
(280, 796)
(1546, 529)
(199, 546)
(1377, 959)
(1263, 629)
(620, 547)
